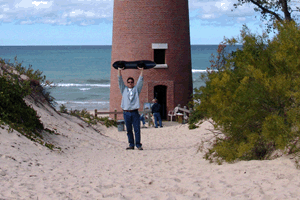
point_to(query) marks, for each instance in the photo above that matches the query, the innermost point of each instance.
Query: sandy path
(95, 166)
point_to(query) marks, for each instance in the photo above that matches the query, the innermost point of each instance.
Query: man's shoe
(140, 148)
(161, 126)
(129, 148)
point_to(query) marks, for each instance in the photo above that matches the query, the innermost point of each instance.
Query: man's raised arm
(120, 80)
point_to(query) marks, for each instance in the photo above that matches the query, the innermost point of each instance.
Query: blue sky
(89, 22)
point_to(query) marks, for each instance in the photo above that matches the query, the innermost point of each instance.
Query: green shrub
(14, 112)
(63, 108)
(90, 119)
(193, 126)
(31, 73)
(107, 122)
(13, 109)
(36, 78)
(254, 97)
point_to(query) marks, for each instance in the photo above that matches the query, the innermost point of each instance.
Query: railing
(185, 111)
(108, 113)
(148, 112)
(115, 113)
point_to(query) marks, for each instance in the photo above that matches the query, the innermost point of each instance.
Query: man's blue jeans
(133, 119)
(157, 118)
(142, 118)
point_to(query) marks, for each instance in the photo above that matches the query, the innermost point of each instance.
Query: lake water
(81, 74)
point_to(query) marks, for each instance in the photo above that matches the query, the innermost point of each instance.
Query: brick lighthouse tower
(156, 30)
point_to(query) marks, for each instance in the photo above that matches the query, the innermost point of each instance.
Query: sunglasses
(130, 82)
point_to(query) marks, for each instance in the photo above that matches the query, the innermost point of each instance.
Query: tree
(254, 97)
(279, 10)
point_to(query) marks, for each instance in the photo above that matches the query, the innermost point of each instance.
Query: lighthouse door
(160, 93)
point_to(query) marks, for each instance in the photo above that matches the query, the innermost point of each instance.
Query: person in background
(130, 105)
(155, 109)
(142, 118)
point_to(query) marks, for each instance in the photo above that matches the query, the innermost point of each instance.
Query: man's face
(130, 83)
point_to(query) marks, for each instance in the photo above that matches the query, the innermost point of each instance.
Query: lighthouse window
(159, 56)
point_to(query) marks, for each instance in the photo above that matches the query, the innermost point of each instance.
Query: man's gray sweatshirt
(134, 103)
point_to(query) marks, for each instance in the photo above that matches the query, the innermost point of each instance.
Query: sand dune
(93, 164)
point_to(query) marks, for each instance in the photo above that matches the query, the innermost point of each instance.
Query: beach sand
(93, 164)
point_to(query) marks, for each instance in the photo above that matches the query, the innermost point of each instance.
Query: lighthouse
(156, 30)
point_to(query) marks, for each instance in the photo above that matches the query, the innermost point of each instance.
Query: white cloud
(28, 22)
(81, 13)
(241, 19)
(208, 16)
(90, 14)
(76, 13)
(86, 12)
(223, 5)
(221, 11)
(37, 3)
(60, 12)
(42, 4)
(24, 4)
(5, 8)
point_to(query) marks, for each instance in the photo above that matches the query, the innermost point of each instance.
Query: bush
(107, 122)
(13, 109)
(36, 78)
(63, 108)
(31, 73)
(90, 119)
(254, 96)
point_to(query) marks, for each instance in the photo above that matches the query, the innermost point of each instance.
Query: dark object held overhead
(146, 64)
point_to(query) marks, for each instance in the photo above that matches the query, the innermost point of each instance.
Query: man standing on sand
(130, 105)
(155, 109)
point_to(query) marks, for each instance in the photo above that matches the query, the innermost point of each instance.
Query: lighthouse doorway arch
(160, 93)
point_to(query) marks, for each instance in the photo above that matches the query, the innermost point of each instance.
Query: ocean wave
(84, 102)
(78, 85)
(201, 70)
(84, 89)
(102, 81)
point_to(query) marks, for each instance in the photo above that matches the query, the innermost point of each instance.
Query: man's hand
(142, 69)
(119, 70)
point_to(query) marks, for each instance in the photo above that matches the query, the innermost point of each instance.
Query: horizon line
(87, 45)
